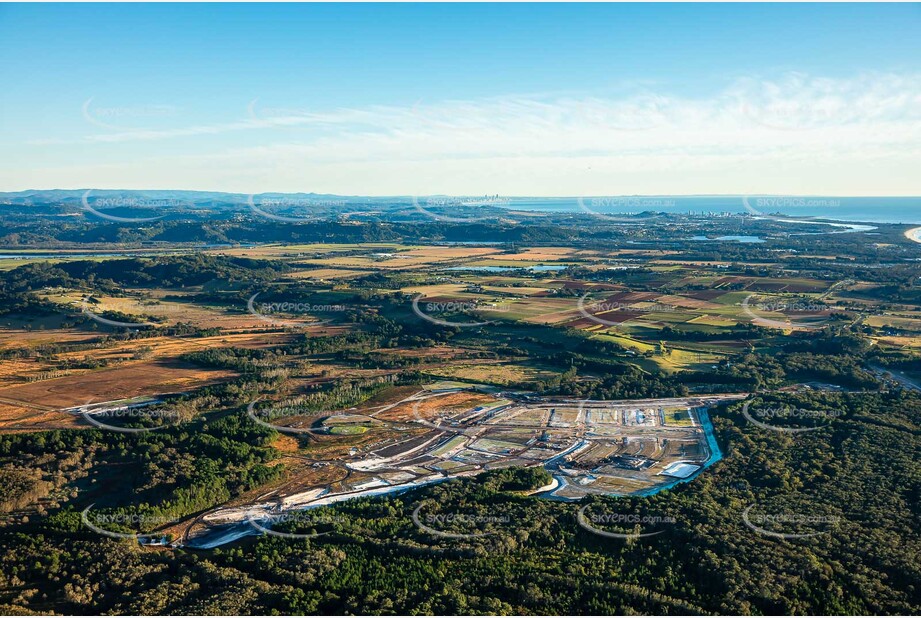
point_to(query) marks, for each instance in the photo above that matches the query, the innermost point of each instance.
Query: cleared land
(591, 447)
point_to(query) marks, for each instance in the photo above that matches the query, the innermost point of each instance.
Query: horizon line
(473, 194)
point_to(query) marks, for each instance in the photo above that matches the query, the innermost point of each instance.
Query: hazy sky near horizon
(465, 99)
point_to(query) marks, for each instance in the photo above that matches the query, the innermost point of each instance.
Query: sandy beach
(914, 234)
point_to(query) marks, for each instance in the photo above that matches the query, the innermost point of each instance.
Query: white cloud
(797, 134)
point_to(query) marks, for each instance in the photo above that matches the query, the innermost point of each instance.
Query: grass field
(896, 321)
(321, 274)
(167, 312)
(541, 254)
(348, 430)
(494, 446)
(499, 373)
(449, 446)
(678, 417)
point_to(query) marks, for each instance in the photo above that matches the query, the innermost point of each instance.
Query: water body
(866, 209)
(81, 256)
(228, 533)
(743, 239)
(842, 228)
(123, 254)
(221, 535)
(470, 242)
(502, 269)
(715, 455)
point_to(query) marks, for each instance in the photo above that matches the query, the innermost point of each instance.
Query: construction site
(453, 430)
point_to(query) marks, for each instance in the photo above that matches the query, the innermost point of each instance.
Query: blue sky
(516, 99)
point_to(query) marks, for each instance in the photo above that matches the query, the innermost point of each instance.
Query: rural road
(898, 376)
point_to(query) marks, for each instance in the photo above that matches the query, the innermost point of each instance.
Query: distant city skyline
(514, 100)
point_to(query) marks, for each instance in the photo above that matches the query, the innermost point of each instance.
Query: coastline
(849, 210)
(861, 221)
(913, 234)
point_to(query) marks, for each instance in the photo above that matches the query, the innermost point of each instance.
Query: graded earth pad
(449, 430)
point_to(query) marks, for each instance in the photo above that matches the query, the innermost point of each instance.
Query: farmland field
(321, 372)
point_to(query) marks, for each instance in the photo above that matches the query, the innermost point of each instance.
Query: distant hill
(194, 197)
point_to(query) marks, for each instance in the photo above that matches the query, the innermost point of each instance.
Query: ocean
(861, 209)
